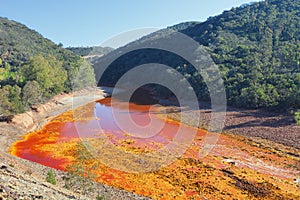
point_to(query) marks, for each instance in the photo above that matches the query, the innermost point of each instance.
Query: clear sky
(91, 22)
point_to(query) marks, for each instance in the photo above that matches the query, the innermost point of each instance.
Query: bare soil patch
(255, 125)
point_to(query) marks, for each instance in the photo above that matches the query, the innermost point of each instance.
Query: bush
(31, 93)
(80, 174)
(10, 100)
(100, 197)
(51, 178)
(297, 117)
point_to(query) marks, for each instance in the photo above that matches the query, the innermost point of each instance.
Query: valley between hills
(60, 137)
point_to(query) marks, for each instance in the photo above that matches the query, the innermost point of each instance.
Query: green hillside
(256, 46)
(33, 69)
(86, 51)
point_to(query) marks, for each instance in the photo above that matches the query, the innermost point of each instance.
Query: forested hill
(91, 51)
(256, 46)
(33, 69)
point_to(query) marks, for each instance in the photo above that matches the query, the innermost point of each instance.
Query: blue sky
(91, 22)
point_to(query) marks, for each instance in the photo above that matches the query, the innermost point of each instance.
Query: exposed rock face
(39, 115)
(25, 121)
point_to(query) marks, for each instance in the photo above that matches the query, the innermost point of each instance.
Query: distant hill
(89, 51)
(33, 68)
(256, 46)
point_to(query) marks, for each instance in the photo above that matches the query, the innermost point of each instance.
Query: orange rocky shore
(236, 168)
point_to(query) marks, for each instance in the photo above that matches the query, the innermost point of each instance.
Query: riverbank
(22, 179)
(260, 127)
(234, 168)
(265, 163)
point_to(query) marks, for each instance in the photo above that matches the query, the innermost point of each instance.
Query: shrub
(51, 177)
(297, 117)
(100, 197)
(80, 174)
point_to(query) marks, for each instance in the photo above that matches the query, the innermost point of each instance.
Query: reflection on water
(94, 120)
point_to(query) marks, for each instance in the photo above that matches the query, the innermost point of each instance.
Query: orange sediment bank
(234, 168)
(29, 149)
(30, 146)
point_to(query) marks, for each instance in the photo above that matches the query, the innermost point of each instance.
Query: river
(186, 176)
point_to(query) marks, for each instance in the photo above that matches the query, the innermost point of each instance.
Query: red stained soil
(234, 167)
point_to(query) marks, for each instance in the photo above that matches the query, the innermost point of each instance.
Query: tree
(6, 73)
(10, 100)
(85, 75)
(31, 93)
(5, 104)
(47, 72)
(15, 99)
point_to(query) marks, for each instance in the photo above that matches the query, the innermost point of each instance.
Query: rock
(25, 120)
(7, 119)
(3, 167)
(229, 161)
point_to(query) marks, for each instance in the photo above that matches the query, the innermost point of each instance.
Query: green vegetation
(259, 59)
(46, 74)
(51, 178)
(85, 51)
(297, 117)
(100, 197)
(80, 174)
(34, 69)
(257, 49)
(10, 100)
